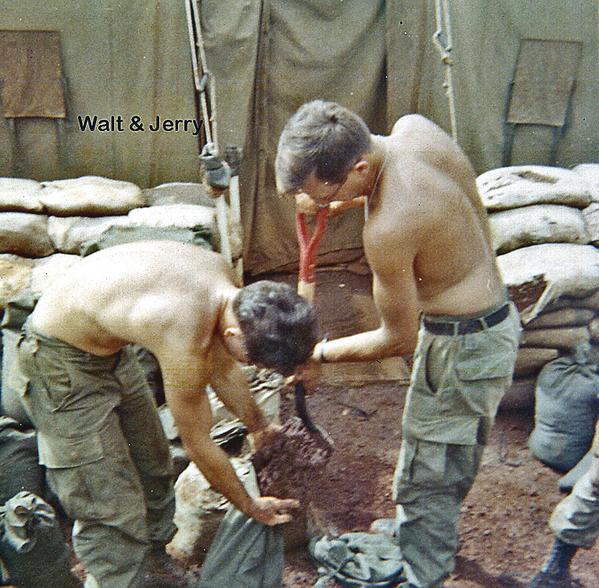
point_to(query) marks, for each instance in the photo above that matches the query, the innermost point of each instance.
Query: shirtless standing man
(99, 433)
(439, 295)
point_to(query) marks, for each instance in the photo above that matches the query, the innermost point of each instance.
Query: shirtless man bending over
(439, 295)
(99, 434)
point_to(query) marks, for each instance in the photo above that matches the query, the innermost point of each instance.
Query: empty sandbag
(199, 510)
(90, 196)
(511, 187)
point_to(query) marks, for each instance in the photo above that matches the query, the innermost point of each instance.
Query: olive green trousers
(106, 456)
(456, 385)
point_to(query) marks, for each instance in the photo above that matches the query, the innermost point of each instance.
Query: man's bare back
(141, 293)
(176, 300)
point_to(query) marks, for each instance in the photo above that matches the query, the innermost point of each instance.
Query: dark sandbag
(19, 467)
(244, 554)
(566, 411)
(32, 546)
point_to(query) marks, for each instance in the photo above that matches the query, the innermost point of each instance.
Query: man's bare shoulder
(134, 292)
(416, 132)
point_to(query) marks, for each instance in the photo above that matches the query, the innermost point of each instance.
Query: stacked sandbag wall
(545, 230)
(45, 228)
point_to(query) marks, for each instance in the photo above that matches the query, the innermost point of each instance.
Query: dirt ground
(503, 530)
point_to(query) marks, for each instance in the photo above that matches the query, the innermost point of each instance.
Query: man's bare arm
(395, 297)
(184, 385)
(231, 386)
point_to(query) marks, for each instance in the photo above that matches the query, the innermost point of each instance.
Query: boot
(556, 572)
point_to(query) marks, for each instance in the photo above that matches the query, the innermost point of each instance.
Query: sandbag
(531, 359)
(48, 269)
(521, 394)
(532, 225)
(15, 276)
(32, 546)
(589, 172)
(591, 301)
(199, 510)
(68, 233)
(564, 339)
(25, 234)
(564, 269)
(20, 195)
(90, 196)
(117, 235)
(244, 554)
(591, 219)
(177, 193)
(564, 317)
(515, 186)
(175, 215)
(594, 330)
(566, 410)
(19, 467)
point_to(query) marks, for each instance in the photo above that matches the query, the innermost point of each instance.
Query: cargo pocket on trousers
(70, 465)
(484, 356)
(421, 464)
(65, 452)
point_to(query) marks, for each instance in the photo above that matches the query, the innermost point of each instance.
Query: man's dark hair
(321, 137)
(278, 325)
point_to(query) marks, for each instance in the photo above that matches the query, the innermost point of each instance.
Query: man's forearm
(366, 346)
(214, 464)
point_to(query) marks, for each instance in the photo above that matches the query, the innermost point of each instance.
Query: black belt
(466, 326)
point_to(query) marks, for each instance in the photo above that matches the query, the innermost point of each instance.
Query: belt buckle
(471, 326)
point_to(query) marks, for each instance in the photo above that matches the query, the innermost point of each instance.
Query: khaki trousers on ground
(107, 458)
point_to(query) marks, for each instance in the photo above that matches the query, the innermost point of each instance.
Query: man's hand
(272, 511)
(305, 205)
(309, 373)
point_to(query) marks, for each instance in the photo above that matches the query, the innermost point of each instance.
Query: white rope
(442, 41)
(205, 82)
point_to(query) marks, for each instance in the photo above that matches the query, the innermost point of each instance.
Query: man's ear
(362, 166)
(232, 332)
